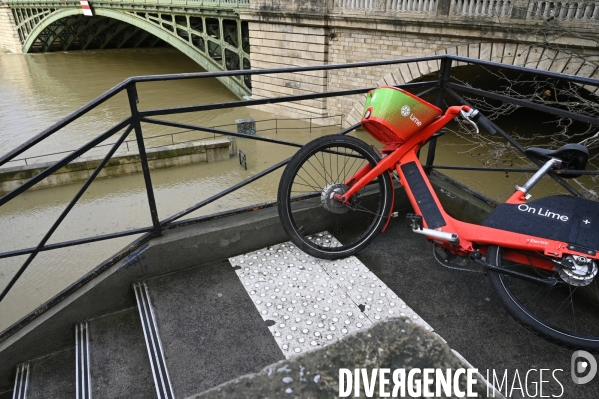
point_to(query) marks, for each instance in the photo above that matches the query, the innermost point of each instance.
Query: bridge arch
(198, 48)
(524, 55)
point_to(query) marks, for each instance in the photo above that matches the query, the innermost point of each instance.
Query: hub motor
(582, 274)
(327, 200)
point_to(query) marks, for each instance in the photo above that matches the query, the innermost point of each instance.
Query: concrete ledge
(392, 344)
(210, 150)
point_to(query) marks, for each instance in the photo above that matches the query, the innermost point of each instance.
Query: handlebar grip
(484, 123)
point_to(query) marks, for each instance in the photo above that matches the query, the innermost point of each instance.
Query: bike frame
(403, 158)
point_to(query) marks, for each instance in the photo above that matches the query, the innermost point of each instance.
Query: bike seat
(573, 157)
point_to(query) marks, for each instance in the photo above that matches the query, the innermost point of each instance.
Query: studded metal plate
(309, 302)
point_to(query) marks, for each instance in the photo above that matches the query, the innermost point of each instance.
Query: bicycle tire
(537, 307)
(306, 209)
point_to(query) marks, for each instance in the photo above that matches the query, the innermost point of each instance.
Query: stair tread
(210, 329)
(118, 357)
(52, 376)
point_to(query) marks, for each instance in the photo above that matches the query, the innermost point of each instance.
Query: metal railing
(265, 126)
(443, 87)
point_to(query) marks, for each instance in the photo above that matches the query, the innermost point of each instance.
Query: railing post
(444, 76)
(132, 94)
(519, 9)
(443, 7)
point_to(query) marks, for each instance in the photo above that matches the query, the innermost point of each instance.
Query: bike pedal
(414, 221)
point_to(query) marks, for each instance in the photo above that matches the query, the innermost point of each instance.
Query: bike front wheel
(566, 313)
(315, 222)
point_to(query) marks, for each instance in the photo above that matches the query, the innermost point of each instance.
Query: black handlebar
(484, 123)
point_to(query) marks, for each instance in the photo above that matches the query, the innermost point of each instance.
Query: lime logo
(405, 110)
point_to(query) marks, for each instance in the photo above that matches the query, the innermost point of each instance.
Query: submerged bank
(203, 151)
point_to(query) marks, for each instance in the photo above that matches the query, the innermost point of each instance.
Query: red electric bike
(337, 194)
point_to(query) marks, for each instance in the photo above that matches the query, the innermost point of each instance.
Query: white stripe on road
(314, 302)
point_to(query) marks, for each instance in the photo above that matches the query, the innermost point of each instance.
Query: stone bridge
(560, 36)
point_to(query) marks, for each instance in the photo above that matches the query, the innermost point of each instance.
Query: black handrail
(171, 135)
(197, 75)
(65, 212)
(442, 85)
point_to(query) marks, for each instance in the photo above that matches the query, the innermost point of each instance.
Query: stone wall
(283, 45)
(357, 45)
(9, 40)
(289, 39)
(287, 33)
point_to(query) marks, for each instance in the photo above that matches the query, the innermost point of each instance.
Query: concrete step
(109, 360)
(118, 360)
(51, 376)
(209, 328)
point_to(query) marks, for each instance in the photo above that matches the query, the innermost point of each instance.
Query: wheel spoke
(318, 186)
(314, 173)
(317, 171)
(565, 313)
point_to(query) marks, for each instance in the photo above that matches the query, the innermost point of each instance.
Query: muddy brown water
(36, 90)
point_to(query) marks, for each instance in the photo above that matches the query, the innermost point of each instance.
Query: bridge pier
(9, 40)
(286, 43)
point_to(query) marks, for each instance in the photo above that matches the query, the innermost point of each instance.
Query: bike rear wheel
(319, 170)
(565, 314)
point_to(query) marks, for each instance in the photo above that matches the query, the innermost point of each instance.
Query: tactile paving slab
(309, 302)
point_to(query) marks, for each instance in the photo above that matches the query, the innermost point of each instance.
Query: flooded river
(39, 89)
(36, 90)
